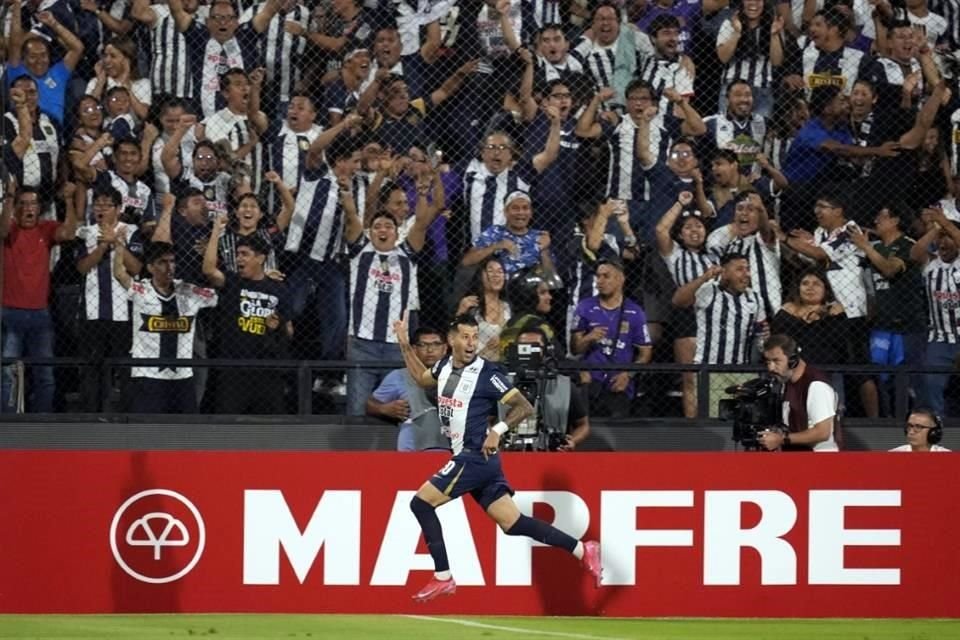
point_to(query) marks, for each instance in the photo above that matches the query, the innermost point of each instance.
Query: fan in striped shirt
(171, 71)
(681, 241)
(383, 286)
(941, 278)
(248, 223)
(729, 312)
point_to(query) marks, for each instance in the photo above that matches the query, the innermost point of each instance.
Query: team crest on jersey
(166, 324)
(304, 145)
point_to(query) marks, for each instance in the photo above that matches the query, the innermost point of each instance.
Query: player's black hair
(462, 320)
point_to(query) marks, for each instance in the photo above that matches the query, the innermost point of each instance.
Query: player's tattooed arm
(520, 408)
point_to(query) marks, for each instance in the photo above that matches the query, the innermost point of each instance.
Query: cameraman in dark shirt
(809, 402)
(561, 410)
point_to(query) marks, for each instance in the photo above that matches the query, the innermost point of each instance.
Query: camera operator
(530, 296)
(809, 402)
(561, 420)
(924, 429)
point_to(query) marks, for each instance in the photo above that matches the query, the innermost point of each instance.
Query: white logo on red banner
(157, 536)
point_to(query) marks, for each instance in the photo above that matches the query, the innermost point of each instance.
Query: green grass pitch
(425, 627)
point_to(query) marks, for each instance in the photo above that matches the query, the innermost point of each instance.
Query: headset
(935, 433)
(793, 359)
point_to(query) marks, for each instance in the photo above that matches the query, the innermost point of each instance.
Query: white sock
(579, 551)
(442, 575)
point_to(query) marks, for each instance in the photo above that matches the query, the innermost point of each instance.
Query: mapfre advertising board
(751, 535)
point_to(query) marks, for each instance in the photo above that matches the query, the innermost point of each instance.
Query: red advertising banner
(752, 535)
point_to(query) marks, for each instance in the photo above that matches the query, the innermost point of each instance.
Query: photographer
(809, 402)
(561, 419)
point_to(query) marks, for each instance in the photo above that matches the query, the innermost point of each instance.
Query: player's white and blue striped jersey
(382, 286)
(484, 192)
(316, 228)
(467, 398)
(104, 297)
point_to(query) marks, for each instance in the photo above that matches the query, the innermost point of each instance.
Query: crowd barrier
(849, 535)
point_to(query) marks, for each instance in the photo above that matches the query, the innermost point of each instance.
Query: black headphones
(793, 360)
(935, 433)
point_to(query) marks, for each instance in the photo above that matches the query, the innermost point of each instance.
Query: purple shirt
(626, 330)
(436, 250)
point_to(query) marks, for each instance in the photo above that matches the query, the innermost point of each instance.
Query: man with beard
(668, 67)
(809, 402)
(941, 277)
(610, 329)
(27, 327)
(399, 398)
(739, 129)
(254, 325)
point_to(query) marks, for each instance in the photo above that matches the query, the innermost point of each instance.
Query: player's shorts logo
(157, 536)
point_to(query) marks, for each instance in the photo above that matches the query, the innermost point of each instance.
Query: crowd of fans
(284, 179)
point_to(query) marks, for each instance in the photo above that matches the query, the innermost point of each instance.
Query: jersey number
(447, 468)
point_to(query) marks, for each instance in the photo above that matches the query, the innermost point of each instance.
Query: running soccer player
(468, 389)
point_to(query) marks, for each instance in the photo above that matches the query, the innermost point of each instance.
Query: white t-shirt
(905, 448)
(821, 404)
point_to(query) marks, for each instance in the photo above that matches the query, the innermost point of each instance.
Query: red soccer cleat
(436, 588)
(591, 559)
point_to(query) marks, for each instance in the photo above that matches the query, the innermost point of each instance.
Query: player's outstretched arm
(417, 369)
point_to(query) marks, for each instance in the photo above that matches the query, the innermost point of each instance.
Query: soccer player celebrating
(468, 388)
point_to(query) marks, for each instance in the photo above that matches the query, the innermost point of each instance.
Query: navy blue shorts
(469, 472)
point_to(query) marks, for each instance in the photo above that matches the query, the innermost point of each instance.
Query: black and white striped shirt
(163, 326)
(839, 68)
(227, 125)
(845, 271)
(104, 297)
(942, 283)
(382, 286)
(316, 229)
(547, 71)
(287, 151)
(764, 263)
(38, 166)
(950, 11)
(281, 52)
(543, 12)
(686, 265)
(171, 65)
(726, 324)
(484, 192)
(776, 148)
(756, 70)
(743, 137)
(625, 174)
(661, 73)
(137, 203)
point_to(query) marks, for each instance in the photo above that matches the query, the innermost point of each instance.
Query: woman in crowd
(813, 317)
(681, 241)
(486, 301)
(118, 68)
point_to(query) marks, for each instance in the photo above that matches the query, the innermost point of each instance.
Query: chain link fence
(223, 208)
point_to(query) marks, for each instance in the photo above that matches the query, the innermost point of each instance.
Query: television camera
(756, 405)
(532, 366)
